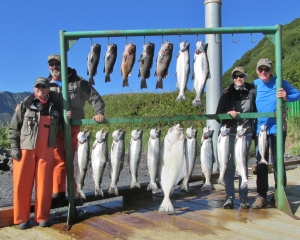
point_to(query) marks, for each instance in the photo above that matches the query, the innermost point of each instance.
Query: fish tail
(98, 191)
(81, 194)
(125, 82)
(245, 184)
(91, 81)
(107, 78)
(197, 103)
(263, 161)
(114, 190)
(208, 187)
(184, 186)
(221, 181)
(181, 97)
(166, 207)
(152, 186)
(159, 83)
(135, 185)
(143, 83)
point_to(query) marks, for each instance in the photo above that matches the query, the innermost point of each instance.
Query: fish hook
(197, 37)
(233, 40)
(216, 39)
(162, 38)
(144, 39)
(179, 38)
(108, 40)
(91, 41)
(251, 39)
(126, 39)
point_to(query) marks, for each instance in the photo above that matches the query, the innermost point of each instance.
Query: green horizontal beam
(173, 118)
(173, 31)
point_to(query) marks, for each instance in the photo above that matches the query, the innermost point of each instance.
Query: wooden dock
(199, 215)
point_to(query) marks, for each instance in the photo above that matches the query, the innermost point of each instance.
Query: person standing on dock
(80, 92)
(266, 102)
(32, 133)
(238, 98)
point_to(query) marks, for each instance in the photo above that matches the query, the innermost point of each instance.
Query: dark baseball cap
(42, 81)
(54, 57)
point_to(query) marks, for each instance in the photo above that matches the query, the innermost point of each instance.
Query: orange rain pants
(35, 166)
(59, 170)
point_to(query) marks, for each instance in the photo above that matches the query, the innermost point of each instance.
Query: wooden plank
(12, 233)
(6, 216)
(115, 229)
(185, 225)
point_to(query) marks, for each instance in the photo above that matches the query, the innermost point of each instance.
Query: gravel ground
(6, 189)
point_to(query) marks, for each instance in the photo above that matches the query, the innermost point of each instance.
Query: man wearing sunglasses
(80, 92)
(266, 102)
(238, 98)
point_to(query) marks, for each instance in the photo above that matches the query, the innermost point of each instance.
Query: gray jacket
(79, 92)
(23, 128)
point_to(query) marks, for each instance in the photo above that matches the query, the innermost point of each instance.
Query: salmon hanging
(92, 62)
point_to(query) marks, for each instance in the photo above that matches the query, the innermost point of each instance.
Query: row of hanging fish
(199, 74)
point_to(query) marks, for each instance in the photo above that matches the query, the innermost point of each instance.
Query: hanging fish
(92, 62)
(182, 69)
(110, 60)
(163, 61)
(200, 72)
(128, 60)
(146, 62)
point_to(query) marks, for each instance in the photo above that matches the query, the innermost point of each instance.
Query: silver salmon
(81, 160)
(190, 155)
(110, 60)
(172, 167)
(223, 152)
(116, 162)
(240, 155)
(146, 62)
(163, 61)
(263, 144)
(153, 157)
(99, 159)
(128, 60)
(92, 62)
(134, 156)
(200, 72)
(182, 69)
(207, 158)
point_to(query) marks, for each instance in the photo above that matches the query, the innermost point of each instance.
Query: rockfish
(172, 167)
(163, 62)
(81, 160)
(134, 156)
(92, 62)
(207, 158)
(128, 60)
(99, 159)
(240, 155)
(190, 155)
(182, 69)
(223, 152)
(263, 144)
(200, 72)
(146, 62)
(110, 60)
(116, 162)
(153, 157)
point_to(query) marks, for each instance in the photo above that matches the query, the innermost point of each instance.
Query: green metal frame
(273, 33)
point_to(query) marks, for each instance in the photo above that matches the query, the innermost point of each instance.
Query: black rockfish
(93, 61)
(110, 60)
(146, 61)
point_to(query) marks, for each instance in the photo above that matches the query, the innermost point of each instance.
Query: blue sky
(30, 32)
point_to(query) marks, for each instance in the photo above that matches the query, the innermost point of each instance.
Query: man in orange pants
(80, 92)
(32, 133)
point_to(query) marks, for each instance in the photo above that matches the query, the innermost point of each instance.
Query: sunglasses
(238, 76)
(40, 86)
(263, 69)
(54, 64)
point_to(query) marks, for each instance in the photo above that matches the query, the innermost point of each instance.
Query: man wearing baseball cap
(266, 102)
(80, 92)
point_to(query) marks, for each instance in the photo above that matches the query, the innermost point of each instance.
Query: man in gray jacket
(79, 92)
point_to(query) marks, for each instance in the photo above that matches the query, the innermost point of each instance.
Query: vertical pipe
(214, 54)
(279, 140)
(67, 128)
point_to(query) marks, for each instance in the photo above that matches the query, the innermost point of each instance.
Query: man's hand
(69, 114)
(16, 154)
(233, 113)
(281, 94)
(99, 118)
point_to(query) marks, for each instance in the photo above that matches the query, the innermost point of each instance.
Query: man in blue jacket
(266, 102)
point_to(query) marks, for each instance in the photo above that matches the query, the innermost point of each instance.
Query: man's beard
(55, 73)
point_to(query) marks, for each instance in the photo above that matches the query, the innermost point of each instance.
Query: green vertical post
(67, 129)
(280, 197)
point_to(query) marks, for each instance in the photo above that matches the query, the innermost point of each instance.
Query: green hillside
(266, 49)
